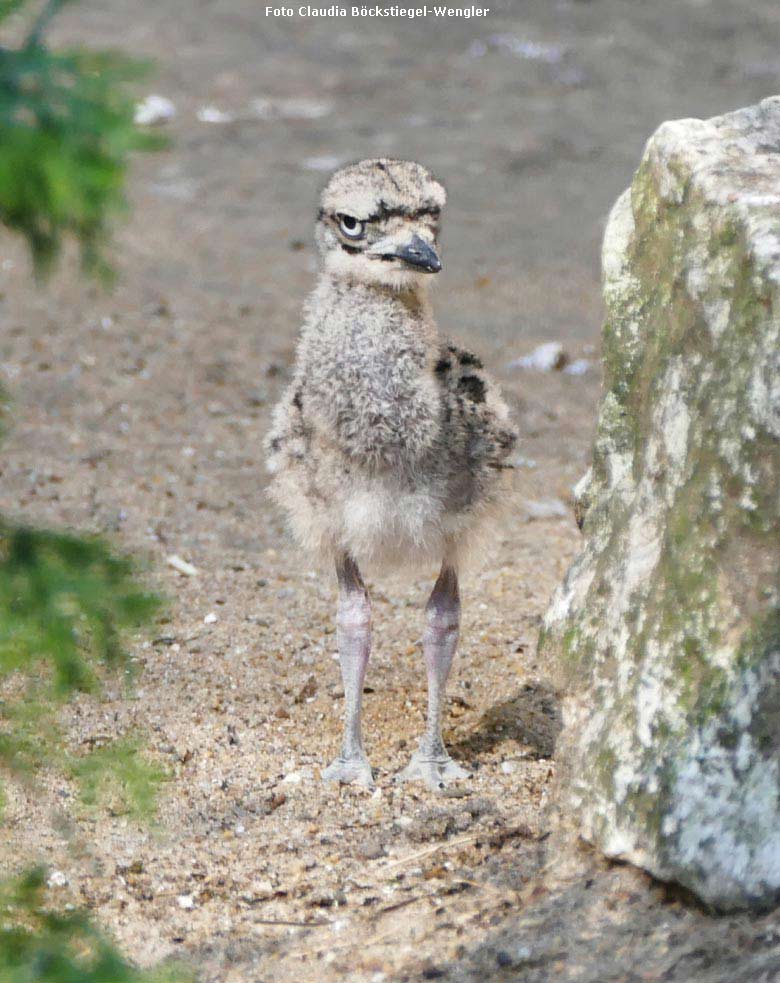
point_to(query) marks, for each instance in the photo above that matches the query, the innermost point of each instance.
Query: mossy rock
(666, 629)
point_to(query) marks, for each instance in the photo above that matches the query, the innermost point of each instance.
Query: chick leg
(431, 762)
(353, 632)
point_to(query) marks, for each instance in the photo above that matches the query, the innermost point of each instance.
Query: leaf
(67, 131)
(8, 7)
(46, 946)
(118, 775)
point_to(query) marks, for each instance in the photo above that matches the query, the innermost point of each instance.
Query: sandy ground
(141, 414)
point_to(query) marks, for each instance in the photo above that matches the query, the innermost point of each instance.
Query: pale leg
(353, 633)
(431, 762)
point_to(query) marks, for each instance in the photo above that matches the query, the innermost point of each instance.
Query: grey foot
(349, 770)
(436, 771)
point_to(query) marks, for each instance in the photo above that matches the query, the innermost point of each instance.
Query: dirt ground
(141, 414)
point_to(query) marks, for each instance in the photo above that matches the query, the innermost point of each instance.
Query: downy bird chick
(388, 446)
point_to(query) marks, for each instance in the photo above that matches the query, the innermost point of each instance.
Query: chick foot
(435, 771)
(347, 771)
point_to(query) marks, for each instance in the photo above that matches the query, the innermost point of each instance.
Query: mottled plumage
(388, 446)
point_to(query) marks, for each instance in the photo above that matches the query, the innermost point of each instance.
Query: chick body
(389, 442)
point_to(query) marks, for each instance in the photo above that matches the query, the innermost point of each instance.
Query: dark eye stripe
(400, 211)
(385, 211)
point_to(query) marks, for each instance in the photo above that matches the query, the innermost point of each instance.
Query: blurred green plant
(66, 131)
(58, 947)
(67, 602)
(64, 598)
(117, 776)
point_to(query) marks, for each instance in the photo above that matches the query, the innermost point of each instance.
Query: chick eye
(352, 227)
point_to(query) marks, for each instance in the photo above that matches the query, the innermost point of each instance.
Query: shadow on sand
(531, 717)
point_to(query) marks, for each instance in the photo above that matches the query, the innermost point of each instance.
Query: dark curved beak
(420, 255)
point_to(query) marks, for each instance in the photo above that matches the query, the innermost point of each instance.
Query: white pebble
(210, 618)
(546, 508)
(185, 901)
(210, 114)
(544, 358)
(154, 110)
(578, 367)
(322, 163)
(175, 561)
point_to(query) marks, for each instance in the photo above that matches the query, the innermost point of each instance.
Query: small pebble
(326, 899)
(371, 850)
(322, 163)
(433, 824)
(578, 367)
(154, 110)
(175, 561)
(549, 357)
(308, 690)
(210, 114)
(261, 889)
(546, 508)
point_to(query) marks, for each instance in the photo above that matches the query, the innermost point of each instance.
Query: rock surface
(667, 626)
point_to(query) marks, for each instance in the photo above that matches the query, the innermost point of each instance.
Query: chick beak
(420, 255)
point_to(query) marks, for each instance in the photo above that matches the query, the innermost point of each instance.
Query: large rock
(667, 626)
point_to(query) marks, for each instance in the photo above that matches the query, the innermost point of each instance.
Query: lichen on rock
(666, 629)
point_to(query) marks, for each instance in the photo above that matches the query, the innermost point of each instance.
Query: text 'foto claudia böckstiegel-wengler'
(369, 11)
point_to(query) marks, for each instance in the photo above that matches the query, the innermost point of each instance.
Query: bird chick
(388, 446)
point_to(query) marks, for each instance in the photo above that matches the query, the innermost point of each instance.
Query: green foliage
(117, 774)
(8, 7)
(65, 602)
(62, 599)
(58, 947)
(66, 130)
